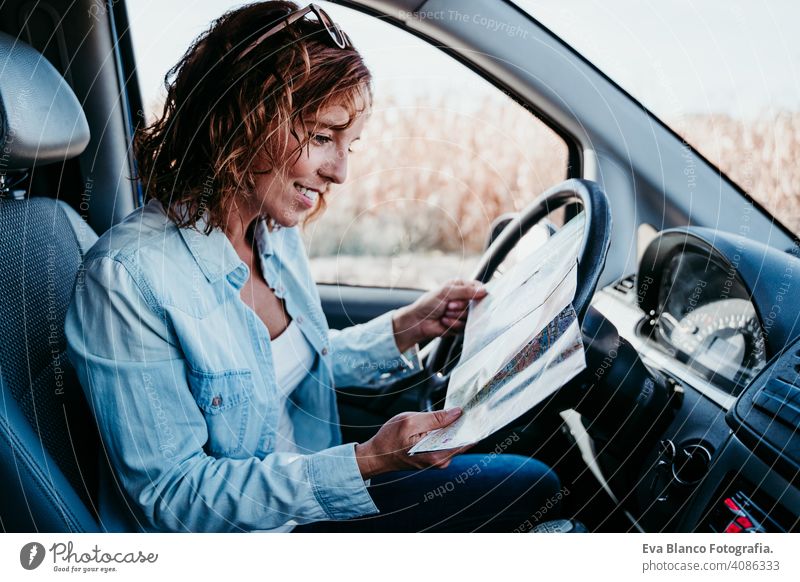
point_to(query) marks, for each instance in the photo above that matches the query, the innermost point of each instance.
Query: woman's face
(288, 196)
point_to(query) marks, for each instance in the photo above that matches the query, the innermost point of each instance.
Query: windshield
(723, 74)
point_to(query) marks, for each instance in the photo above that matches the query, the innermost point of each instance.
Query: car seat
(48, 438)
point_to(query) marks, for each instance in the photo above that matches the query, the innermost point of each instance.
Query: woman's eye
(322, 139)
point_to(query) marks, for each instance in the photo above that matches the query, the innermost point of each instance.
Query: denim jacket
(179, 374)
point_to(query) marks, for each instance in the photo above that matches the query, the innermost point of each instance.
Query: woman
(197, 331)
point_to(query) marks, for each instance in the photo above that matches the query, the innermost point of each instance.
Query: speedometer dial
(723, 337)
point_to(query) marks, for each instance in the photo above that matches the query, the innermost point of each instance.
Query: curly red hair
(198, 157)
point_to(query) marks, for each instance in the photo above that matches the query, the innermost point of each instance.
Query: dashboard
(715, 319)
(704, 318)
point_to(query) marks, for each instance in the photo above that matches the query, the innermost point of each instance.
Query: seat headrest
(41, 120)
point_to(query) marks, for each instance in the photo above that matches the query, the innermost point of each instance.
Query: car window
(443, 154)
(723, 74)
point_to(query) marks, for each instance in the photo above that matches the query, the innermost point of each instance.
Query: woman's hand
(388, 449)
(436, 313)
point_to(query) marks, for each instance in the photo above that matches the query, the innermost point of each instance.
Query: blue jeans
(489, 493)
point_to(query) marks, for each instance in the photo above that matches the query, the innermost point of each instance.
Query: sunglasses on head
(338, 36)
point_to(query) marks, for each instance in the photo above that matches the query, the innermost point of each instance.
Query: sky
(734, 56)
(740, 57)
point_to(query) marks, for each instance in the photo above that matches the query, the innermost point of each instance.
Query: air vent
(766, 416)
(781, 400)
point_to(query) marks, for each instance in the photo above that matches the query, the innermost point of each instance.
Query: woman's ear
(261, 165)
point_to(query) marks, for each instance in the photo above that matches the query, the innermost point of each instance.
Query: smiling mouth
(307, 195)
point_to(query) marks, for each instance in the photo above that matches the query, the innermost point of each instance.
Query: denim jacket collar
(263, 239)
(214, 252)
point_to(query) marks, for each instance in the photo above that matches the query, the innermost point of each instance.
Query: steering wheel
(591, 260)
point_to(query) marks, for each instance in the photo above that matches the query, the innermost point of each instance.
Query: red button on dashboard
(731, 504)
(733, 528)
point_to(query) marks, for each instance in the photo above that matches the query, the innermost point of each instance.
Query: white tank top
(292, 357)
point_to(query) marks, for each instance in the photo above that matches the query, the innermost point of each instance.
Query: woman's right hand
(388, 449)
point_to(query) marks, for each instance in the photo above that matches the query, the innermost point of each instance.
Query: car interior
(686, 417)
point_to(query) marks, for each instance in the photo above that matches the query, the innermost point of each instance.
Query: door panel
(345, 306)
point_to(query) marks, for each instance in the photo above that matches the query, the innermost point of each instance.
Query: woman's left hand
(439, 312)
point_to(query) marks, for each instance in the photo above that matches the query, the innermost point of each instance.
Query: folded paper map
(522, 342)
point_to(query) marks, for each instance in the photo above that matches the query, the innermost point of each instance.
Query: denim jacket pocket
(224, 398)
